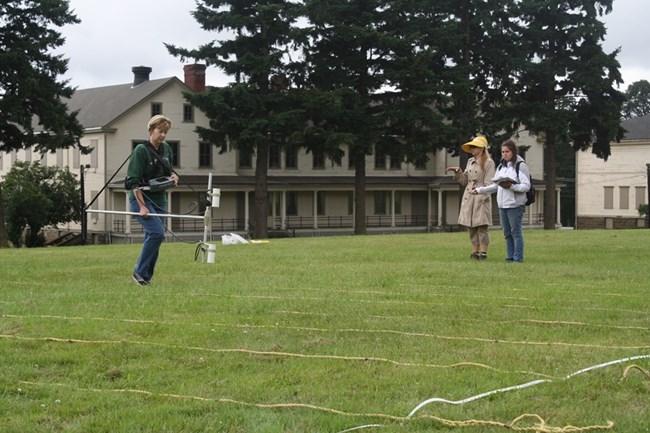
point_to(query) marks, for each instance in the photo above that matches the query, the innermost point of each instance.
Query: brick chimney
(140, 74)
(195, 77)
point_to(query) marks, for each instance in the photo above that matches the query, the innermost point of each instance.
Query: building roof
(99, 107)
(637, 128)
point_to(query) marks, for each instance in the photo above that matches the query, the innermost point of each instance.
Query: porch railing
(303, 222)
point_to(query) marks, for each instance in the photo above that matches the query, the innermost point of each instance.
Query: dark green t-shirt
(144, 166)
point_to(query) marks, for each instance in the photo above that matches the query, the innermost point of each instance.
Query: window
(188, 113)
(291, 157)
(640, 197)
(522, 152)
(94, 155)
(421, 164)
(609, 197)
(351, 164)
(205, 155)
(245, 158)
(381, 202)
(176, 157)
(320, 202)
(398, 202)
(624, 197)
(292, 203)
(274, 156)
(380, 159)
(395, 163)
(318, 159)
(156, 108)
(350, 203)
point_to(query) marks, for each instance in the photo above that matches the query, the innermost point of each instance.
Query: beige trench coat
(475, 209)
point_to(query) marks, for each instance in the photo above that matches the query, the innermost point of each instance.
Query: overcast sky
(116, 35)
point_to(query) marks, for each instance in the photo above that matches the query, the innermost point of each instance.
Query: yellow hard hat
(477, 142)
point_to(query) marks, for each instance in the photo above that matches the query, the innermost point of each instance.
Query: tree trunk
(360, 195)
(4, 239)
(261, 193)
(550, 205)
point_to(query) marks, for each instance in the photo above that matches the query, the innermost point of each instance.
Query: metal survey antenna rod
(207, 218)
(162, 215)
(213, 196)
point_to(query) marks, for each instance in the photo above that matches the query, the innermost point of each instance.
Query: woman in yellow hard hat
(476, 210)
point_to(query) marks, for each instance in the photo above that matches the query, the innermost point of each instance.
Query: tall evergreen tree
(33, 113)
(483, 47)
(367, 60)
(344, 60)
(637, 100)
(567, 85)
(260, 108)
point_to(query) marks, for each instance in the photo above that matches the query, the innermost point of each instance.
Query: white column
(169, 208)
(315, 209)
(246, 211)
(283, 209)
(440, 194)
(392, 208)
(428, 208)
(354, 207)
(127, 225)
(558, 216)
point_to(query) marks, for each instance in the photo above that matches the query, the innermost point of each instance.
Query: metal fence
(299, 222)
(183, 225)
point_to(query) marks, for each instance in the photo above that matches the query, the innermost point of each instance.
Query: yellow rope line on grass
(389, 331)
(221, 400)
(540, 426)
(257, 352)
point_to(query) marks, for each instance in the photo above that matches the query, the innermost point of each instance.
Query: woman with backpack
(511, 182)
(476, 212)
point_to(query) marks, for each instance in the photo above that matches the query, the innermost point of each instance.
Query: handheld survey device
(159, 184)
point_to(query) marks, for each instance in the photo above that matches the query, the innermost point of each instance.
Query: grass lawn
(399, 333)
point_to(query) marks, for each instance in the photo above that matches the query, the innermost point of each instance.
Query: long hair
(513, 148)
(482, 157)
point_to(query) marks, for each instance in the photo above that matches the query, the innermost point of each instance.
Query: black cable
(106, 184)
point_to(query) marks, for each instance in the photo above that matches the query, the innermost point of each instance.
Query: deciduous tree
(37, 196)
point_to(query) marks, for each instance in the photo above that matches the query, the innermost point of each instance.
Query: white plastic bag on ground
(232, 239)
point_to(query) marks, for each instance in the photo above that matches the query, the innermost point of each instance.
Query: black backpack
(530, 194)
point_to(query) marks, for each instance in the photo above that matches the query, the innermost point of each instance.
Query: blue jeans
(511, 222)
(154, 235)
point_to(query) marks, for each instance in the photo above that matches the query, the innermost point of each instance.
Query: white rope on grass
(502, 390)
(361, 427)
(523, 385)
